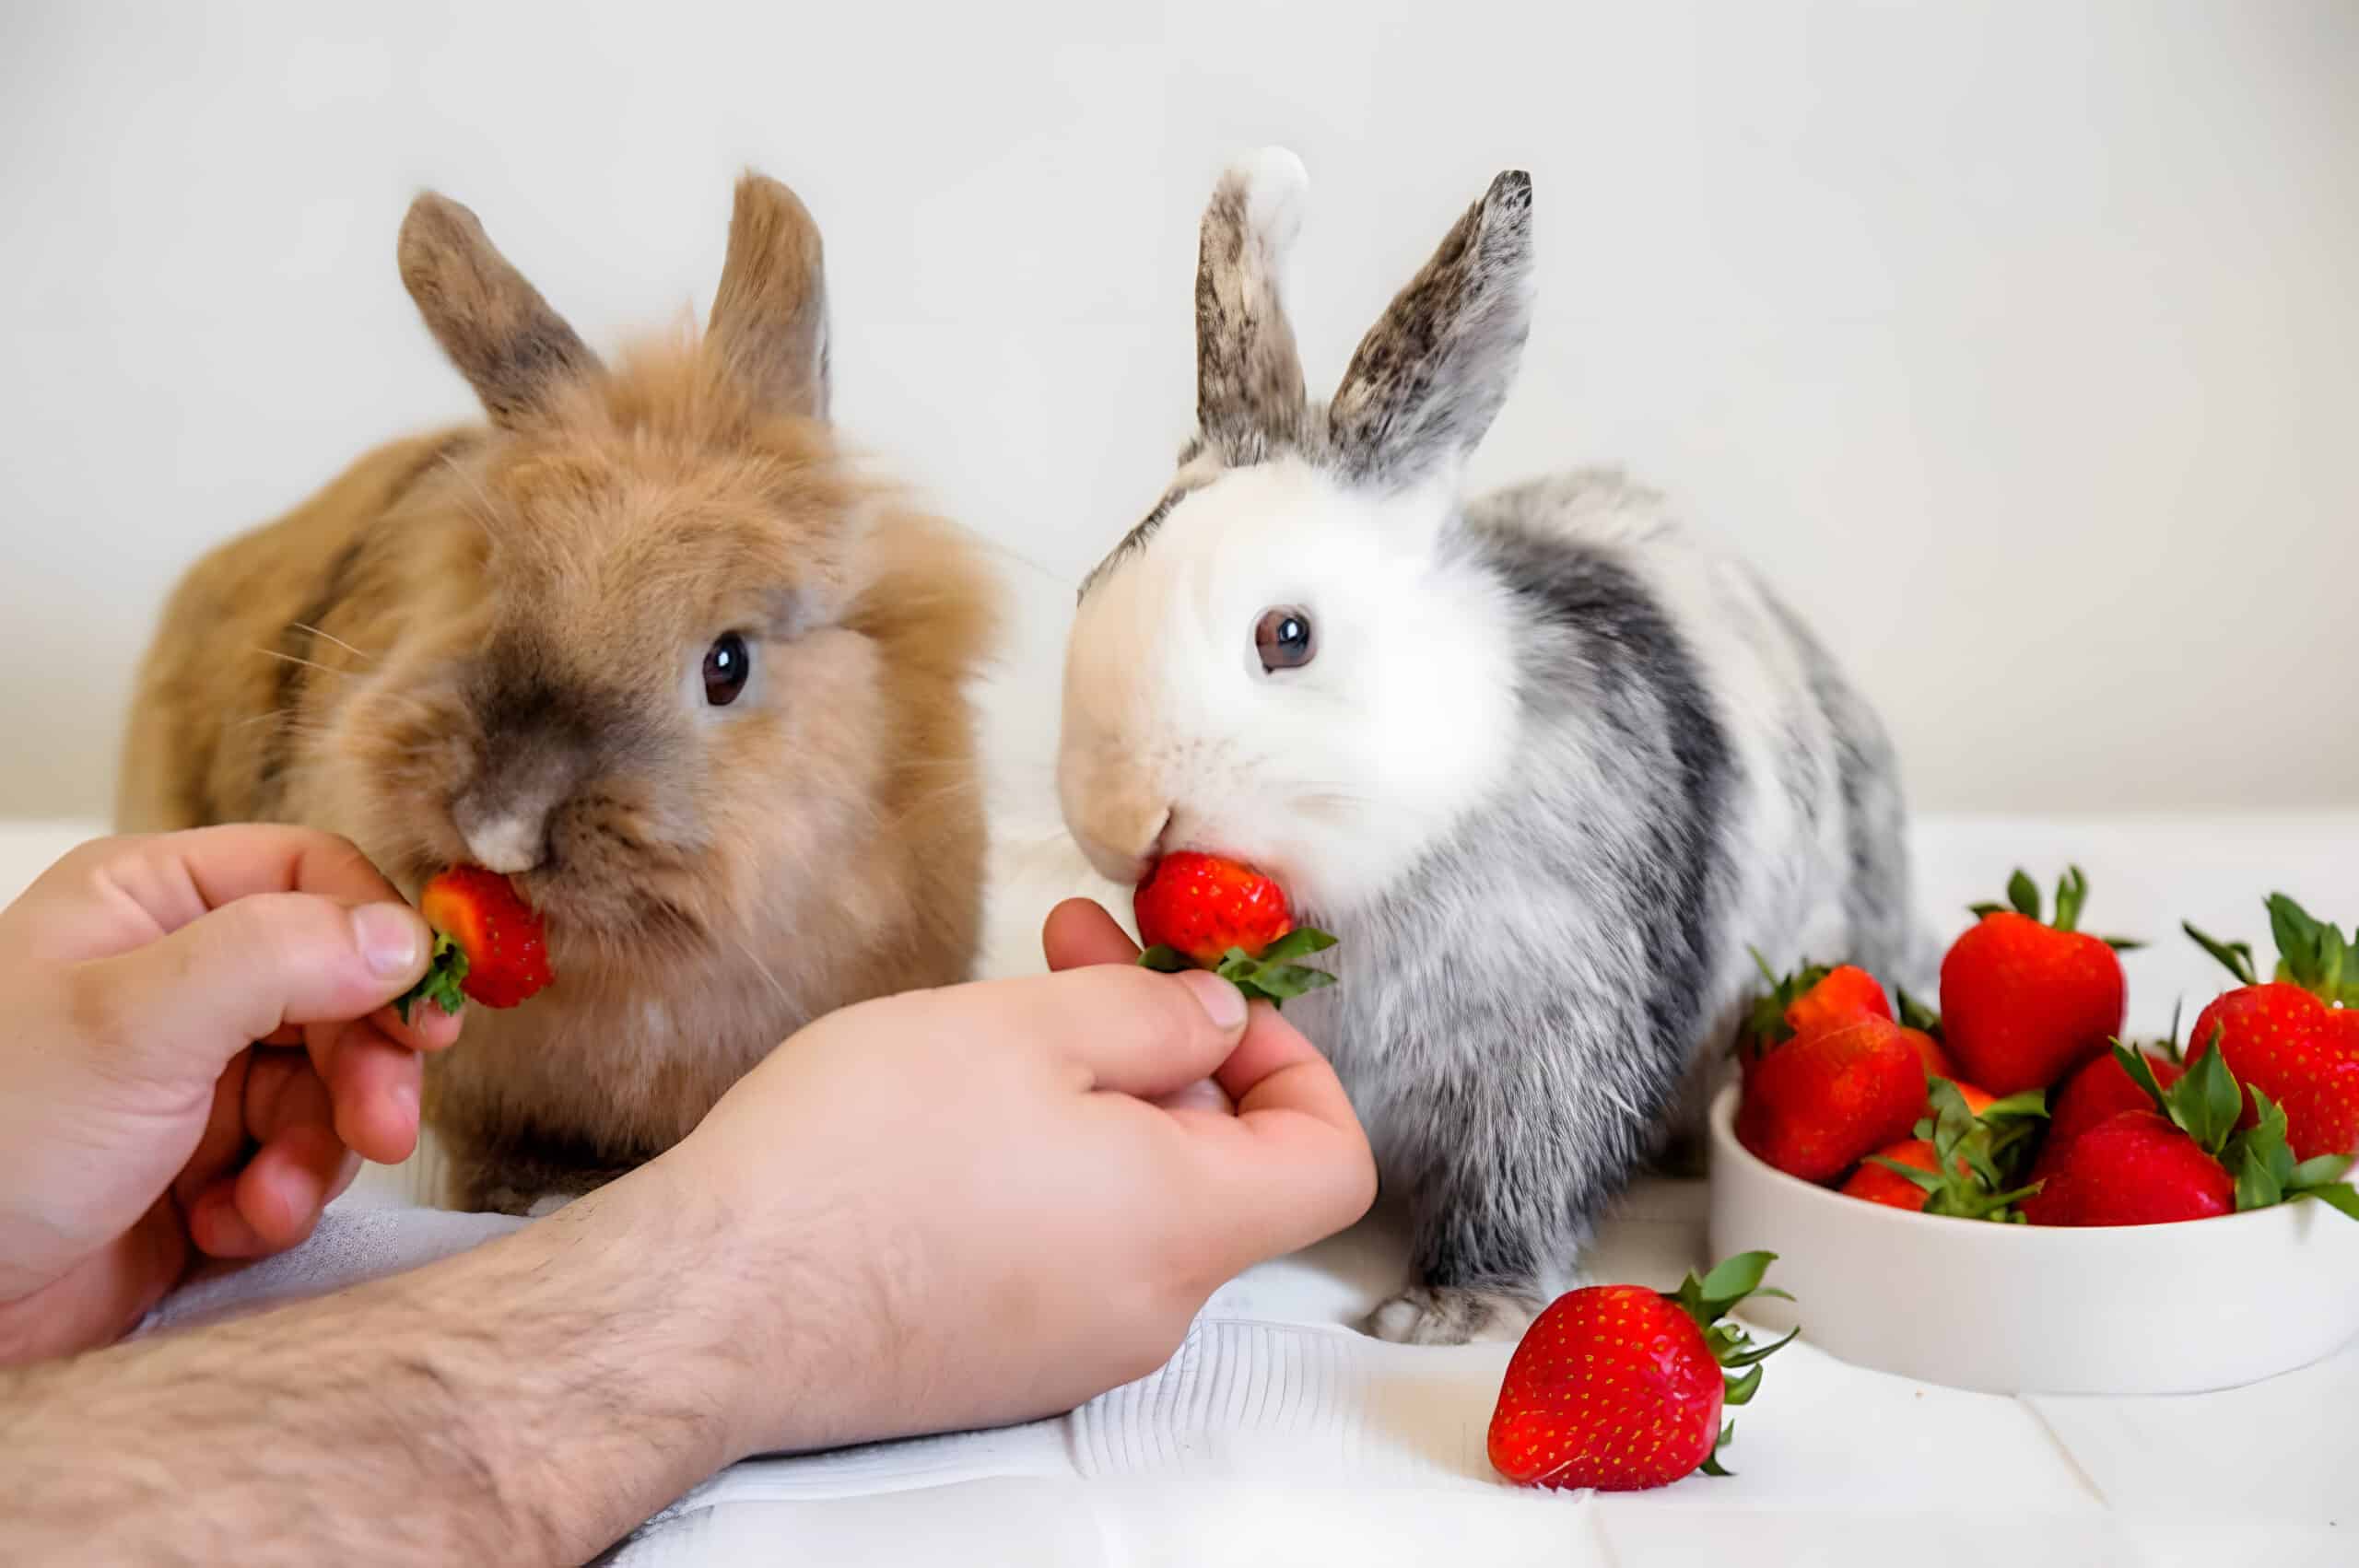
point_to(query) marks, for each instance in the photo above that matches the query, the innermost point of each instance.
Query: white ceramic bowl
(2009, 1309)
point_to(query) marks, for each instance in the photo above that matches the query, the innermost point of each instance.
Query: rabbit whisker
(302, 626)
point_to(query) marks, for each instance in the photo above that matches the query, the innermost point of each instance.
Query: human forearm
(530, 1400)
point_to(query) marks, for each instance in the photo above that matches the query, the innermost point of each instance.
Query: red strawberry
(1879, 1183)
(488, 946)
(2025, 1003)
(1844, 995)
(1200, 911)
(1620, 1388)
(2134, 1168)
(2283, 1039)
(1930, 1052)
(2097, 1092)
(1812, 999)
(1961, 1160)
(2190, 1161)
(1818, 1103)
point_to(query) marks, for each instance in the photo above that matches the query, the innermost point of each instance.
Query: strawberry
(2097, 1092)
(2133, 1168)
(2183, 1157)
(488, 946)
(1844, 995)
(1200, 911)
(2292, 1037)
(1921, 1027)
(1621, 1387)
(1961, 1160)
(2025, 1003)
(1818, 1103)
(1812, 999)
(1877, 1181)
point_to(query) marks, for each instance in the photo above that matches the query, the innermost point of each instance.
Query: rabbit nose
(509, 840)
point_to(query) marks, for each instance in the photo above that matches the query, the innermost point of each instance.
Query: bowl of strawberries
(2004, 1196)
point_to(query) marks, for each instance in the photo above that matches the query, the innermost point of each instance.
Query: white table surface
(1280, 1437)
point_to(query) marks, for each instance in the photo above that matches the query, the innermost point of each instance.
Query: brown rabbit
(647, 643)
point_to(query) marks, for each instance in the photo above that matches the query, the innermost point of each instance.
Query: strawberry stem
(439, 984)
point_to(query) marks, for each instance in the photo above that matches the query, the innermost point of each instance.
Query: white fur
(1332, 777)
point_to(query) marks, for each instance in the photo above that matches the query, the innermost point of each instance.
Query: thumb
(202, 994)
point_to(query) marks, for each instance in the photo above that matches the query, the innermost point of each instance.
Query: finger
(1081, 932)
(223, 1143)
(374, 1083)
(427, 1028)
(1125, 1028)
(216, 1226)
(177, 878)
(1293, 1165)
(282, 1189)
(194, 998)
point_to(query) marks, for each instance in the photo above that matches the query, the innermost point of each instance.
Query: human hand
(197, 1047)
(963, 1207)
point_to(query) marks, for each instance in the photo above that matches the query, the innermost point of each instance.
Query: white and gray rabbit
(1546, 765)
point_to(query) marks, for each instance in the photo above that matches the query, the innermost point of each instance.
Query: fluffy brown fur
(499, 630)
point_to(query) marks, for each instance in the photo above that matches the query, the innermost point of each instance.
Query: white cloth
(1279, 1436)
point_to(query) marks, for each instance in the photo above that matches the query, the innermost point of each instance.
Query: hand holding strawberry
(1621, 1387)
(1200, 911)
(488, 946)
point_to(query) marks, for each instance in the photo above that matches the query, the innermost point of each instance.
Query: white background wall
(2020, 342)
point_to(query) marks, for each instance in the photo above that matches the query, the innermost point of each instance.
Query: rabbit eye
(726, 665)
(1282, 637)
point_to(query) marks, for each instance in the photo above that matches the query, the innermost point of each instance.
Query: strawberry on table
(488, 946)
(1200, 911)
(1621, 1387)
(1819, 1103)
(2025, 1003)
(2295, 1038)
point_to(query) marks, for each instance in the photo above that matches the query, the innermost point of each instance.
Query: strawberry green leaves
(439, 984)
(2311, 953)
(2071, 894)
(2206, 1105)
(1975, 1157)
(1706, 1300)
(1273, 977)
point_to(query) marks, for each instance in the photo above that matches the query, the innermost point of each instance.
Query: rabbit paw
(1450, 1315)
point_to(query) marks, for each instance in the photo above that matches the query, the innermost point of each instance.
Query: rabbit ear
(495, 326)
(769, 315)
(1430, 377)
(1249, 380)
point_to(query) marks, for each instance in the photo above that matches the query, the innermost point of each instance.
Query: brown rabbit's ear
(1248, 379)
(769, 315)
(494, 325)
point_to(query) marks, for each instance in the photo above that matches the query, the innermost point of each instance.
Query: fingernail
(1222, 1002)
(387, 934)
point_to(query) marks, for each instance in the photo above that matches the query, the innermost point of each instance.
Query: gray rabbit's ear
(1249, 380)
(1431, 374)
(495, 326)
(770, 314)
